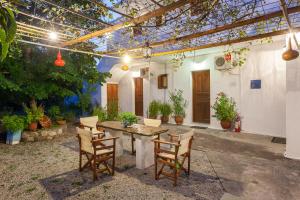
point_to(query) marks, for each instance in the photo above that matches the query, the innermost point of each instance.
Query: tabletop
(138, 129)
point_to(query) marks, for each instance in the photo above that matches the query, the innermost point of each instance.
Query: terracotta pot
(33, 126)
(164, 119)
(61, 122)
(226, 124)
(179, 120)
(45, 122)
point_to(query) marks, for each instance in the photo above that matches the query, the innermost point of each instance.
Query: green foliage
(165, 109)
(225, 108)
(153, 109)
(33, 113)
(13, 123)
(100, 112)
(8, 28)
(70, 116)
(128, 118)
(112, 111)
(55, 113)
(29, 73)
(178, 103)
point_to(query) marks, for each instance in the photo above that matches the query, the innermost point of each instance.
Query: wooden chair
(96, 152)
(174, 157)
(147, 122)
(90, 124)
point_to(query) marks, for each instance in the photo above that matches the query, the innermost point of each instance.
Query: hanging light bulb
(126, 58)
(53, 35)
(147, 50)
(59, 62)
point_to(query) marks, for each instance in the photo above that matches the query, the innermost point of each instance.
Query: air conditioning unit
(221, 64)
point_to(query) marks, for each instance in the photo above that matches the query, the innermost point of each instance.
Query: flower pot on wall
(13, 137)
(61, 122)
(226, 124)
(32, 126)
(179, 120)
(164, 119)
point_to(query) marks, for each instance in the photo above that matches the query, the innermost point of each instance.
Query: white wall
(263, 110)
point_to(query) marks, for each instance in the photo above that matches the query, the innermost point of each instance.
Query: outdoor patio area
(224, 166)
(150, 99)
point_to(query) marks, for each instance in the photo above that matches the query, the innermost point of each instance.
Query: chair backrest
(89, 121)
(85, 140)
(152, 122)
(185, 142)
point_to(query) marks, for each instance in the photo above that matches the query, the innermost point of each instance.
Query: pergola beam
(216, 30)
(217, 44)
(286, 16)
(138, 20)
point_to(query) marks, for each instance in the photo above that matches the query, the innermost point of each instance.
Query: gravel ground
(49, 170)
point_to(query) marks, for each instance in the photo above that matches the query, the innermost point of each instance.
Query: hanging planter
(59, 62)
(290, 54)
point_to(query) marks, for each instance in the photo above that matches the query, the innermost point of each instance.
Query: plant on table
(178, 105)
(225, 110)
(55, 114)
(165, 111)
(153, 109)
(100, 112)
(14, 126)
(33, 114)
(128, 118)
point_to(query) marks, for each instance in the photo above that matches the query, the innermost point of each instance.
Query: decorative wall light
(125, 67)
(290, 54)
(59, 62)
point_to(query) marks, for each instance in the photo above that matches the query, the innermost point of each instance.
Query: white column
(144, 151)
(293, 109)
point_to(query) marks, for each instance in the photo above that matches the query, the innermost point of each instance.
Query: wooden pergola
(278, 16)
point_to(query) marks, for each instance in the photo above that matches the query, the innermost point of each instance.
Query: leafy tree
(29, 73)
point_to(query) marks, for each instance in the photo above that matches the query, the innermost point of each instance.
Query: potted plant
(100, 112)
(153, 109)
(178, 106)
(128, 119)
(225, 110)
(14, 126)
(165, 111)
(55, 114)
(33, 114)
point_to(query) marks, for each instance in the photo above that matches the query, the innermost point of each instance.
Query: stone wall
(43, 134)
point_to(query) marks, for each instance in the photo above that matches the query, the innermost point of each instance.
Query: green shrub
(225, 108)
(70, 116)
(13, 123)
(178, 103)
(128, 118)
(153, 109)
(165, 109)
(100, 112)
(54, 112)
(33, 113)
(112, 111)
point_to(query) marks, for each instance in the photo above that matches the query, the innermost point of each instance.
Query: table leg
(144, 151)
(119, 141)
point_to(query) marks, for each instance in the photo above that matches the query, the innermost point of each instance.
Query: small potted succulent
(165, 111)
(153, 109)
(33, 114)
(225, 110)
(14, 126)
(55, 114)
(178, 106)
(128, 119)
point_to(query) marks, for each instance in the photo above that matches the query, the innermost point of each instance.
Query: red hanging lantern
(59, 62)
(228, 57)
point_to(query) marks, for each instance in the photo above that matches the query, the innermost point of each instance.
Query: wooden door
(112, 93)
(139, 97)
(201, 96)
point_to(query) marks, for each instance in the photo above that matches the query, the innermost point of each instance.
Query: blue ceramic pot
(13, 137)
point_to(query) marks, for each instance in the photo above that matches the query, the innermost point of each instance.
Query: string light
(53, 35)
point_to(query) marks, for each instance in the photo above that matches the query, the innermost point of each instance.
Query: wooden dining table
(143, 135)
